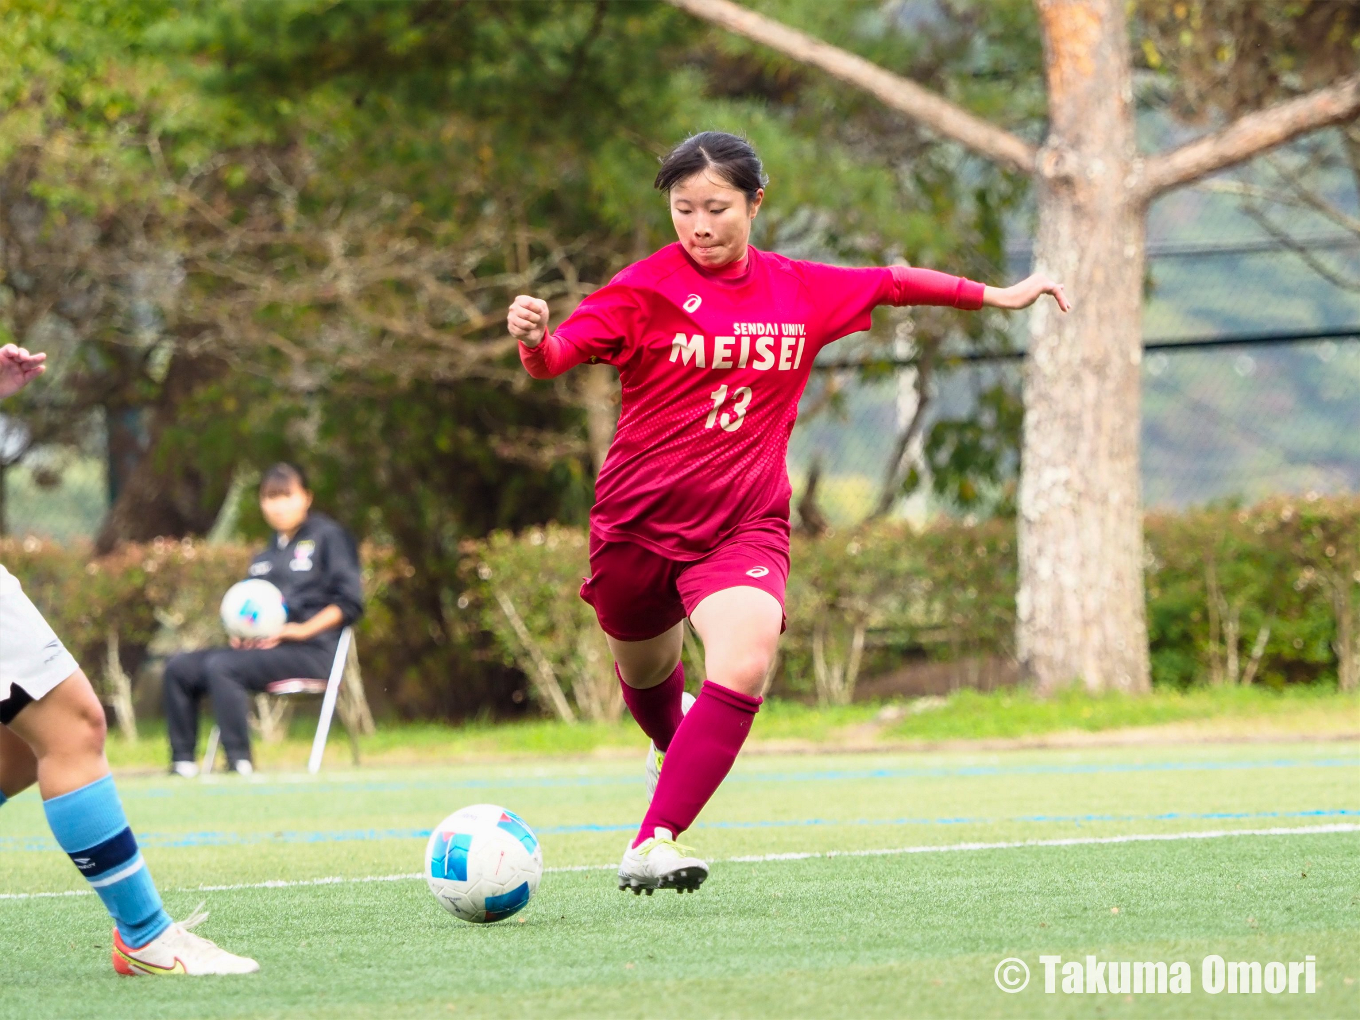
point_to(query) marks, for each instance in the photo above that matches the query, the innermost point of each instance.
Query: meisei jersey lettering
(712, 366)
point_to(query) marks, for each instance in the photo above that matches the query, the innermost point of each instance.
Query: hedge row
(1268, 595)
(152, 599)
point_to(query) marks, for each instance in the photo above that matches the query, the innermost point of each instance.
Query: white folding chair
(329, 689)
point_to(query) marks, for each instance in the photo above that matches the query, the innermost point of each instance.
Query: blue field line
(232, 787)
(211, 839)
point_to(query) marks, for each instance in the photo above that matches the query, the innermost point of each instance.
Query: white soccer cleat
(185, 769)
(177, 950)
(655, 757)
(659, 862)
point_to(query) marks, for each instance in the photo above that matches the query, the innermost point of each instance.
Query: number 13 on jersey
(729, 421)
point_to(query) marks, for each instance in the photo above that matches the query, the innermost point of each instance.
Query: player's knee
(642, 674)
(90, 726)
(79, 729)
(744, 671)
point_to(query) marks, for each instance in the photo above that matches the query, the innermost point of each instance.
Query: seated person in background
(314, 562)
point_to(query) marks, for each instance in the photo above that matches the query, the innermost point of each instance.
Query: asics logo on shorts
(692, 303)
(758, 572)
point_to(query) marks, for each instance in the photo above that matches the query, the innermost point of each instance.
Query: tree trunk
(600, 395)
(155, 498)
(1080, 606)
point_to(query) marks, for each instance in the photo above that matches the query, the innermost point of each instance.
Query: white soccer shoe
(661, 863)
(655, 757)
(177, 950)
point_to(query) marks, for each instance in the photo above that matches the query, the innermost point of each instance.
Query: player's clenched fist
(528, 319)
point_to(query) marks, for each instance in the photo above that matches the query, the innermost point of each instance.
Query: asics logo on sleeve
(758, 572)
(692, 303)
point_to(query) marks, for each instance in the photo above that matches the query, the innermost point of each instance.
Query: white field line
(1308, 830)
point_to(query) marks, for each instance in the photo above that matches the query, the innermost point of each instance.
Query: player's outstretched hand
(1025, 293)
(528, 320)
(18, 368)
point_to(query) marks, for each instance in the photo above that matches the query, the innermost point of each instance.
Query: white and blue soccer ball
(483, 863)
(253, 609)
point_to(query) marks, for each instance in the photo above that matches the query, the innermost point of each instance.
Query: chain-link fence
(1251, 379)
(1232, 420)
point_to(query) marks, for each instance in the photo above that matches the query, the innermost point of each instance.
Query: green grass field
(860, 934)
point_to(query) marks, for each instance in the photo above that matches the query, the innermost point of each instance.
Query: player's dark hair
(279, 479)
(730, 157)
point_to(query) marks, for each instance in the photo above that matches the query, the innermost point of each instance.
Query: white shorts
(32, 657)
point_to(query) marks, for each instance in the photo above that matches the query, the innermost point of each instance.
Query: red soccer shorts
(638, 594)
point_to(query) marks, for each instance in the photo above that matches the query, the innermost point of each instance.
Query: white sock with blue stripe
(90, 826)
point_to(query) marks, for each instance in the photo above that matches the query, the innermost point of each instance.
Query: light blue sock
(90, 826)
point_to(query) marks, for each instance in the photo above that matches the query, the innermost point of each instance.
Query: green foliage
(340, 198)
(130, 594)
(1234, 56)
(974, 462)
(161, 589)
(525, 592)
(868, 600)
(1278, 583)
(420, 469)
(1218, 580)
(947, 592)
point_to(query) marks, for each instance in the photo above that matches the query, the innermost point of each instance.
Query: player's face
(712, 218)
(285, 511)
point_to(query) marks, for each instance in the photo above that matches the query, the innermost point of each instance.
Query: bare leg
(18, 764)
(644, 664)
(65, 730)
(740, 631)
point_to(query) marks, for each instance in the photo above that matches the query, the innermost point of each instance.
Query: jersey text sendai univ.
(712, 366)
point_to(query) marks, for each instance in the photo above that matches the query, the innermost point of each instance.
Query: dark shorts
(17, 700)
(638, 594)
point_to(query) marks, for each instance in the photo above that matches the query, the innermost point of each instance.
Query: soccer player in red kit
(714, 342)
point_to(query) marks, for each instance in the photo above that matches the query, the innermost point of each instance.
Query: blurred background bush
(1237, 596)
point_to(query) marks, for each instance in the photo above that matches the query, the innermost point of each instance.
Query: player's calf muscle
(18, 765)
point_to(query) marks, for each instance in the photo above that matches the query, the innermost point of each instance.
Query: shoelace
(196, 918)
(679, 848)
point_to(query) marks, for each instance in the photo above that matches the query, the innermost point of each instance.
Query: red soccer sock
(700, 756)
(657, 709)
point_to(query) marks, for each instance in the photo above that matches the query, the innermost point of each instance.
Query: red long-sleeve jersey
(712, 367)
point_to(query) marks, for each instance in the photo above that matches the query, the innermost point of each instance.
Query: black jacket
(318, 568)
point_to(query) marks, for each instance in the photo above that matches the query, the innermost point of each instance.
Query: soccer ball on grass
(483, 863)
